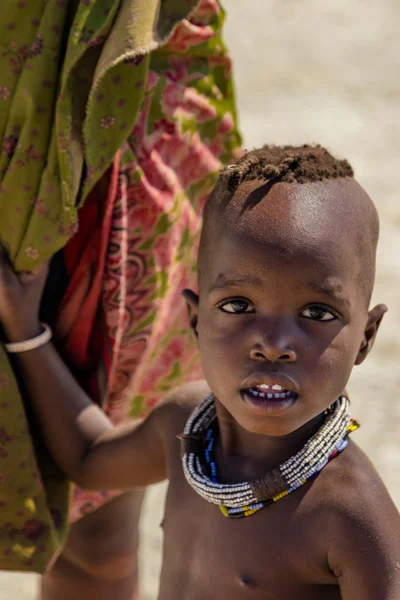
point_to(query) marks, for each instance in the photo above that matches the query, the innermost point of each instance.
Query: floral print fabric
(118, 83)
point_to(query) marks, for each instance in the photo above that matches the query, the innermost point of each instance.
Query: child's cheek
(222, 348)
(335, 365)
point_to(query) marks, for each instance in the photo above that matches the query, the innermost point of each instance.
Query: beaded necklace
(246, 498)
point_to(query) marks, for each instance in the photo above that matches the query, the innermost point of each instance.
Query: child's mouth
(269, 399)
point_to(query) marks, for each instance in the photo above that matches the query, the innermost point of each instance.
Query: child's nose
(273, 346)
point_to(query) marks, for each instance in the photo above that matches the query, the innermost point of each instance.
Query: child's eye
(236, 306)
(318, 313)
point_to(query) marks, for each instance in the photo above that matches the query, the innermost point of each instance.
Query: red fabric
(78, 328)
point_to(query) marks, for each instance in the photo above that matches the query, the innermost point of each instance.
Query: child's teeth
(282, 393)
(276, 387)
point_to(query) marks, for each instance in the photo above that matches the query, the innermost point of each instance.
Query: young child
(286, 271)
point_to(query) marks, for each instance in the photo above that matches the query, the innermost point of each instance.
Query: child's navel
(247, 582)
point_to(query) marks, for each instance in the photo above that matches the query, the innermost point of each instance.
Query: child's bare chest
(271, 555)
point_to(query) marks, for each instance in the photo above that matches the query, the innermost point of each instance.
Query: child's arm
(365, 549)
(84, 444)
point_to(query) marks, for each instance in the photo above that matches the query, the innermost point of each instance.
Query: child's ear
(192, 305)
(375, 317)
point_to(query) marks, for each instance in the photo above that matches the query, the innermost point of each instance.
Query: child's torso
(278, 553)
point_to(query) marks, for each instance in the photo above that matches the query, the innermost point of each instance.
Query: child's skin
(297, 267)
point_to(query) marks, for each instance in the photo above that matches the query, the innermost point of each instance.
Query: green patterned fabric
(60, 125)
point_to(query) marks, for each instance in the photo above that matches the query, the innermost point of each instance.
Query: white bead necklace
(245, 498)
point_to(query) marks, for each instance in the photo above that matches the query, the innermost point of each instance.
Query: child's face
(283, 304)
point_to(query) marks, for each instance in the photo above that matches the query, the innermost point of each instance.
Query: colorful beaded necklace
(246, 498)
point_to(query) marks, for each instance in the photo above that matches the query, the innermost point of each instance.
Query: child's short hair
(289, 164)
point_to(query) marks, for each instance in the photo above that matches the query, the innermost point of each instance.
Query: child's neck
(241, 455)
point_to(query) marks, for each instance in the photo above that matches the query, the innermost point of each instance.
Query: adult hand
(20, 299)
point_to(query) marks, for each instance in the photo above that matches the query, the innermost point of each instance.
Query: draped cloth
(115, 116)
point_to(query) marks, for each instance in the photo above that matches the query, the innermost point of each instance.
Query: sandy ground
(324, 72)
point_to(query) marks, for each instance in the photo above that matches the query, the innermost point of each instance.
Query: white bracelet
(31, 344)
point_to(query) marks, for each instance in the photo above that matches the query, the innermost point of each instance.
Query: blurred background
(325, 72)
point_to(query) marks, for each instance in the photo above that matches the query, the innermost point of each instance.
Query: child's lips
(271, 394)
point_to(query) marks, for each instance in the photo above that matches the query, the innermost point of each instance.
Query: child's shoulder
(353, 474)
(359, 516)
(350, 485)
(174, 410)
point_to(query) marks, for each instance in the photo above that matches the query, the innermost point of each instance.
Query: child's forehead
(241, 255)
(316, 214)
(330, 225)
